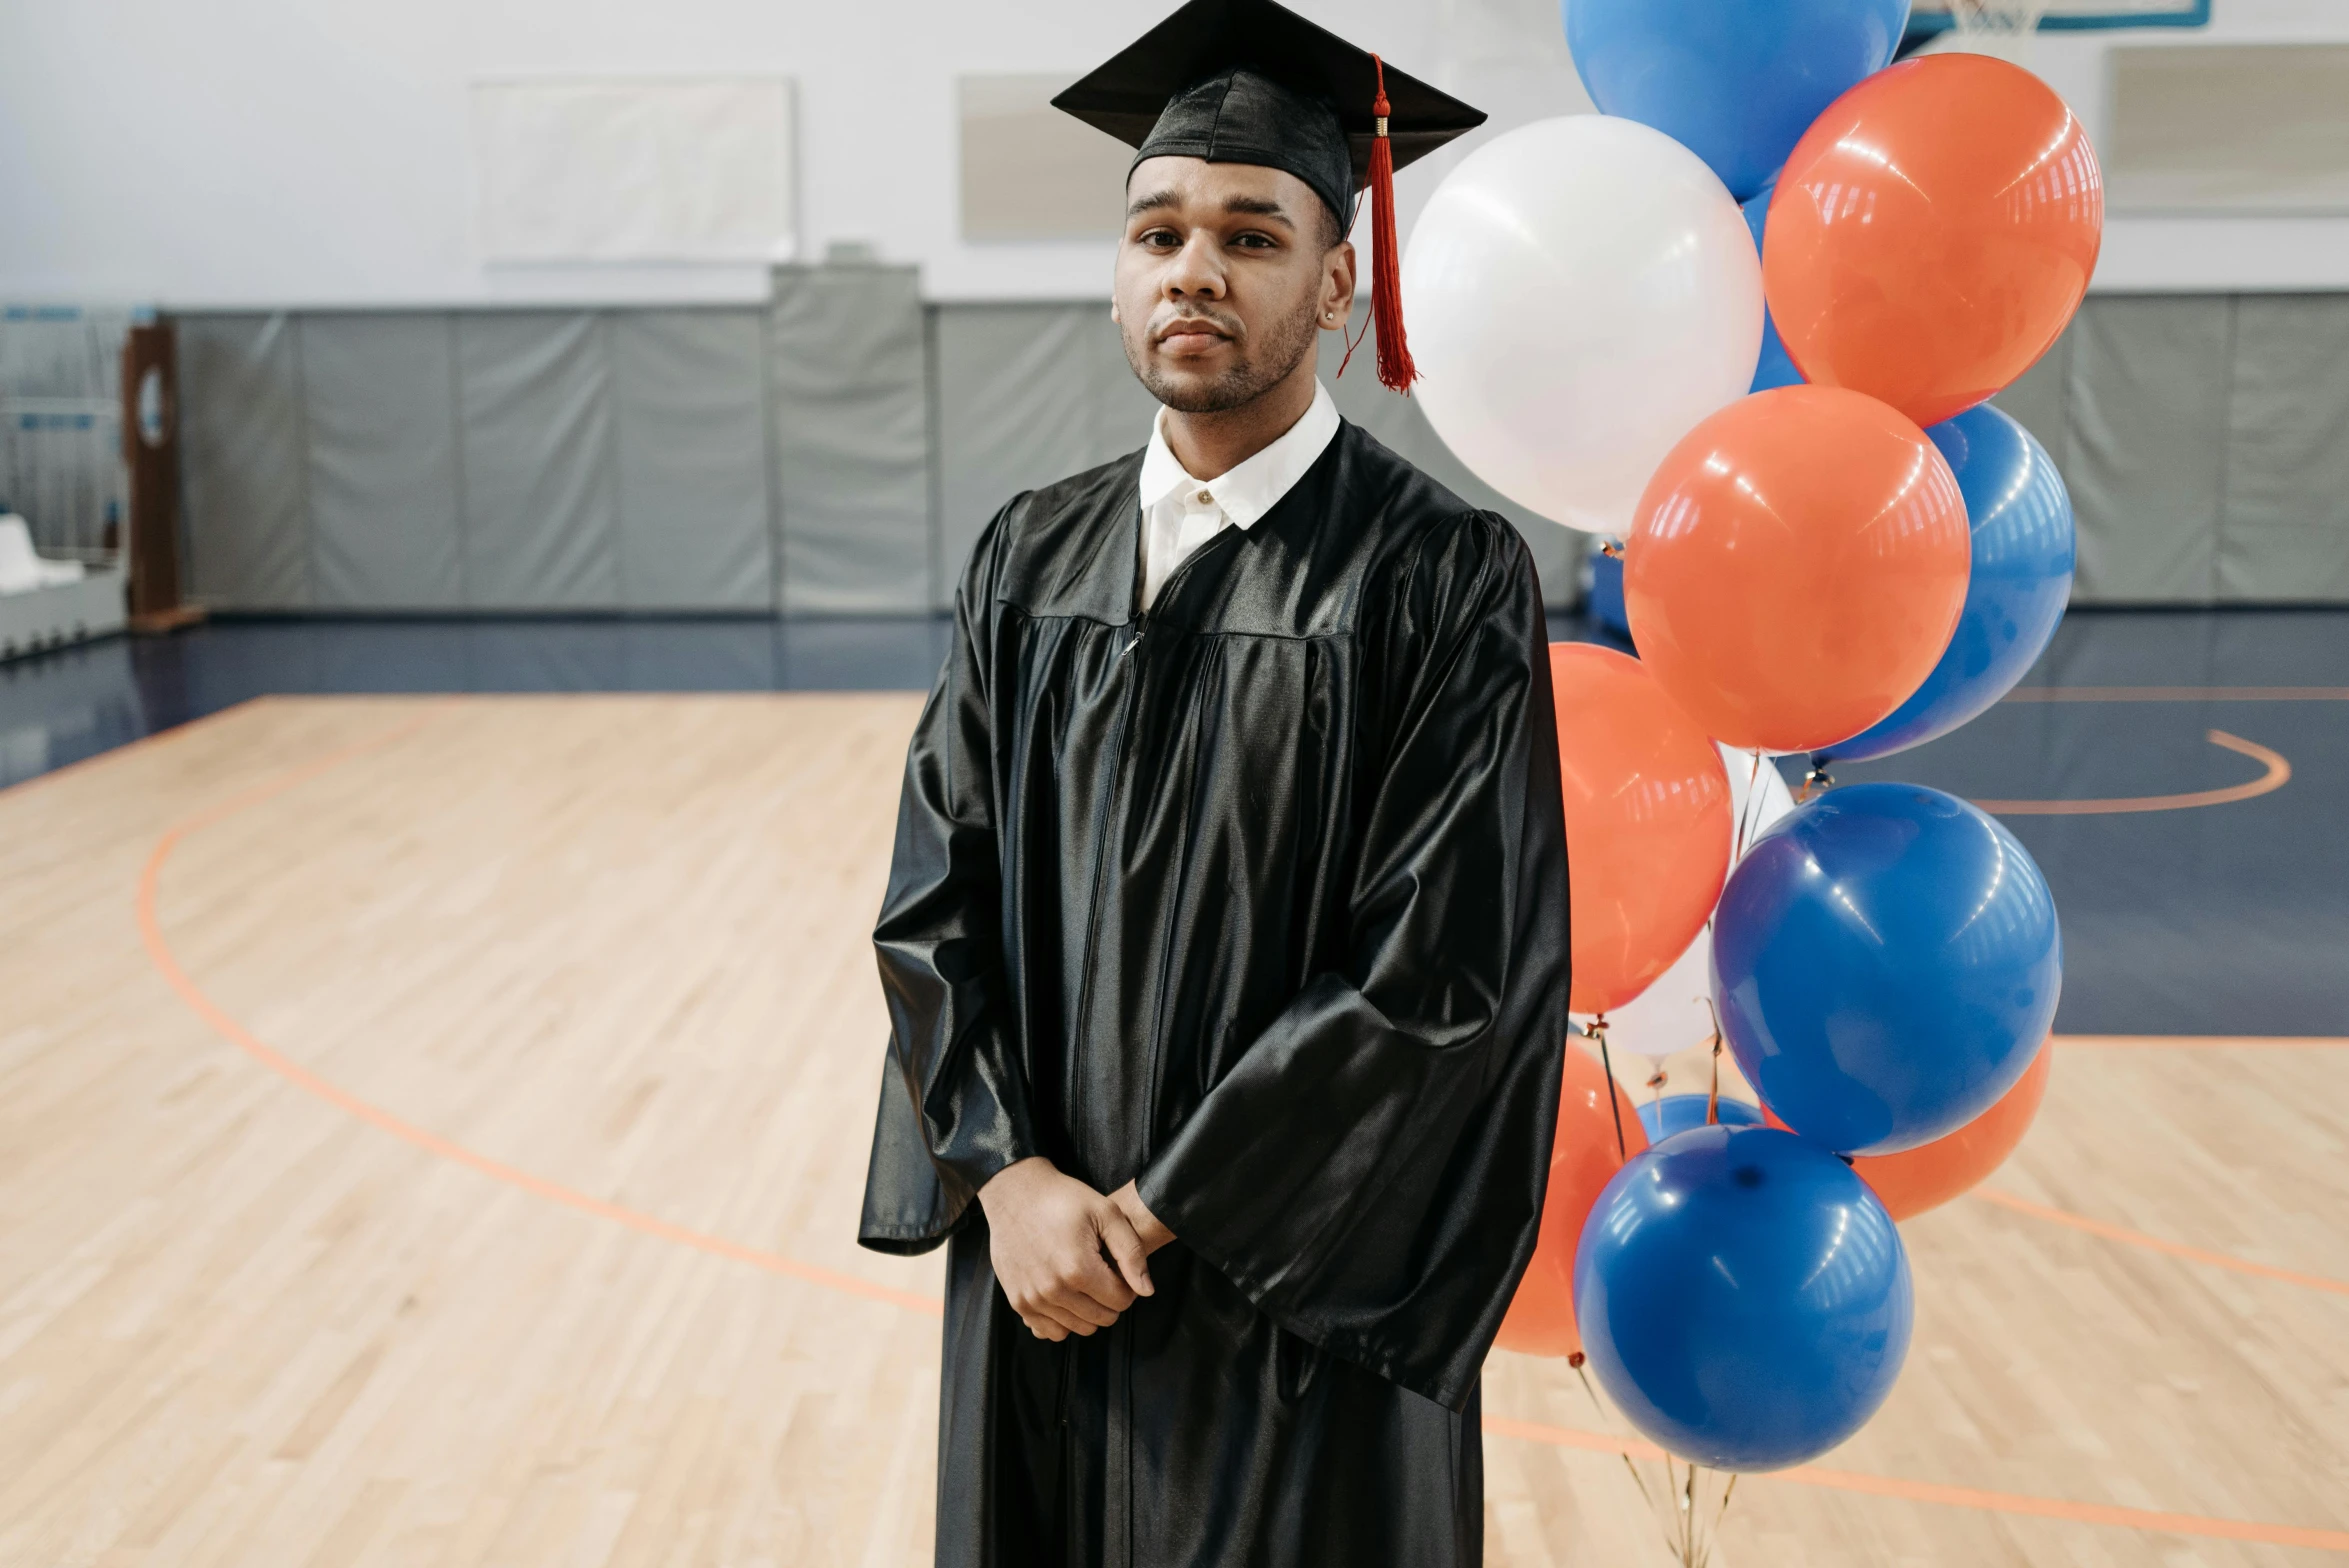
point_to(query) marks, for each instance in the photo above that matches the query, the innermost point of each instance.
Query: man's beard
(1280, 354)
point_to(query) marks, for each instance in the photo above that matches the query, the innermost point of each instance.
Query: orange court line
(2278, 774)
(2175, 1249)
(168, 966)
(1957, 1496)
(2133, 1238)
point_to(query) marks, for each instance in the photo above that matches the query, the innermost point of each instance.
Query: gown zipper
(1116, 771)
(1101, 815)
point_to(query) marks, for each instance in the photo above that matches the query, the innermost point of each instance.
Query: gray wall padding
(381, 424)
(695, 528)
(2147, 411)
(244, 476)
(2287, 490)
(838, 451)
(2205, 441)
(1027, 394)
(849, 421)
(508, 460)
(542, 493)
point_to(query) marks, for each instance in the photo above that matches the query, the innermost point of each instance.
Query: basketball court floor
(438, 1062)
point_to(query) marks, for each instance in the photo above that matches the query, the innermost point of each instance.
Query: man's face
(1226, 272)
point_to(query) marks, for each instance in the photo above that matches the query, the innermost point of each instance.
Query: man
(1225, 940)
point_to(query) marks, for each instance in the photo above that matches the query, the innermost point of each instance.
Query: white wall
(314, 152)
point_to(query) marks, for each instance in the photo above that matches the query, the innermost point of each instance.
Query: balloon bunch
(1747, 318)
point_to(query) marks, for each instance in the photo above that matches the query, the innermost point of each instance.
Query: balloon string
(1722, 1512)
(1597, 1030)
(1747, 813)
(1713, 1106)
(1607, 1419)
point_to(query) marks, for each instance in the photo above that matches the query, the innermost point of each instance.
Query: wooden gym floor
(431, 1131)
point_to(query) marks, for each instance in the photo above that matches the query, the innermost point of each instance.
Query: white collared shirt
(1180, 513)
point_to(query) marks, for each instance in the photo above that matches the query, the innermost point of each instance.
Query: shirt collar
(1250, 490)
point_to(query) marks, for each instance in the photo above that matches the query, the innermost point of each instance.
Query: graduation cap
(1248, 81)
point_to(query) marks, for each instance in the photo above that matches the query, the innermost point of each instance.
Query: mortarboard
(1249, 81)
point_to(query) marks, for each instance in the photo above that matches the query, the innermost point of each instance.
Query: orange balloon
(1928, 1176)
(1647, 822)
(1932, 232)
(1796, 567)
(1541, 1315)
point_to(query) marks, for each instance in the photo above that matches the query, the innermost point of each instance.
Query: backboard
(1928, 19)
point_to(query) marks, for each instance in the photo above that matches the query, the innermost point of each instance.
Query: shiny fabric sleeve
(954, 1098)
(1371, 1170)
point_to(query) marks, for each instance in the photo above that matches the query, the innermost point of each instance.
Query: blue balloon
(1672, 1113)
(1743, 1297)
(2023, 554)
(1776, 367)
(1737, 82)
(1604, 604)
(1886, 960)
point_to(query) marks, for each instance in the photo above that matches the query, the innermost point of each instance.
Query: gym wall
(391, 405)
(838, 451)
(834, 453)
(246, 154)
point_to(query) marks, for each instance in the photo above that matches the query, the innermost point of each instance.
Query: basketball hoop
(2003, 28)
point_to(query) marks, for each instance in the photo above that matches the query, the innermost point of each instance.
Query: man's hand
(1047, 1236)
(1129, 1203)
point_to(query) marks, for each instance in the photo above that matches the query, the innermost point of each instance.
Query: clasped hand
(1069, 1259)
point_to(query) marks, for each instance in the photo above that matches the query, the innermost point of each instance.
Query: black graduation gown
(1259, 896)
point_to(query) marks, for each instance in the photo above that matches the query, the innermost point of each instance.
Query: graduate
(1225, 941)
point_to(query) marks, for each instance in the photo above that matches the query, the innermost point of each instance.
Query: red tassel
(1395, 369)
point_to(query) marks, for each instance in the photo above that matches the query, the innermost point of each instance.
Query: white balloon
(1672, 1017)
(1581, 292)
